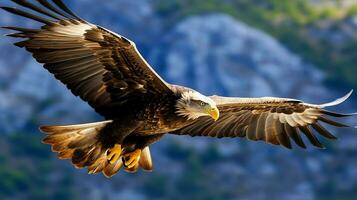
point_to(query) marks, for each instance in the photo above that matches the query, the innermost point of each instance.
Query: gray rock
(217, 54)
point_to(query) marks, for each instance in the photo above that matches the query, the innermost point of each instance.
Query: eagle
(107, 71)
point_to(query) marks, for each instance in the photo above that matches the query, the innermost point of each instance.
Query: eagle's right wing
(103, 68)
(273, 120)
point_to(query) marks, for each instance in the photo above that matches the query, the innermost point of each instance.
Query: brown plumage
(107, 71)
(273, 120)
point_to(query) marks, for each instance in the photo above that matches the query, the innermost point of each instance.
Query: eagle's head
(192, 105)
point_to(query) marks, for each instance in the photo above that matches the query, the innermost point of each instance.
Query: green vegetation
(26, 170)
(191, 184)
(291, 22)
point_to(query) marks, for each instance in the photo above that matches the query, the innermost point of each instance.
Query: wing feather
(276, 121)
(36, 8)
(103, 68)
(322, 131)
(333, 123)
(294, 134)
(312, 138)
(251, 131)
(282, 135)
(260, 128)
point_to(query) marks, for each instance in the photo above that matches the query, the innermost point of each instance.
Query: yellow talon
(132, 158)
(133, 169)
(114, 154)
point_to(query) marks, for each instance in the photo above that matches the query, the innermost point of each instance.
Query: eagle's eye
(203, 103)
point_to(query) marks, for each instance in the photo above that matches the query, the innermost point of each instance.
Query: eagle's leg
(133, 148)
(114, 153)
(131, 159)
(113, 135)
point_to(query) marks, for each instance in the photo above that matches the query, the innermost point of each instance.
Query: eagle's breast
(160, 116)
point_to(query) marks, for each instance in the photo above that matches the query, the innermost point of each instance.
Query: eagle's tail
(80, 144)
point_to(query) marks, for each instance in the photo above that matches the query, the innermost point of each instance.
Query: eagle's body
(107, 71)
(162, 114)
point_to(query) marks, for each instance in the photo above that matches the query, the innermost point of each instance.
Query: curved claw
(132, 158)
(114, 154)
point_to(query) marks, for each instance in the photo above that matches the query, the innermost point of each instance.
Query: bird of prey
(107, 71)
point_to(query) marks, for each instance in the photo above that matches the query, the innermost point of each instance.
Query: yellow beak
(214, 113)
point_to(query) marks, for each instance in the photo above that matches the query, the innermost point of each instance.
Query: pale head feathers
(192, 105)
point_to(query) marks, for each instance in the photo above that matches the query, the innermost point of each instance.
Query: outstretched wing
(273, 120)
(103, 68)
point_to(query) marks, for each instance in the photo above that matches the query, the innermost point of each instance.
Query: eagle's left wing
(273, 120)
(103, 68)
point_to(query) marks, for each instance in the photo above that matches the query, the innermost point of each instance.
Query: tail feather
(66, 154)
(98, 165)
(75, 127)
(80, 144)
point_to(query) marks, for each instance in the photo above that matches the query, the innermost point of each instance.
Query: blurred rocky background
(303, 49)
